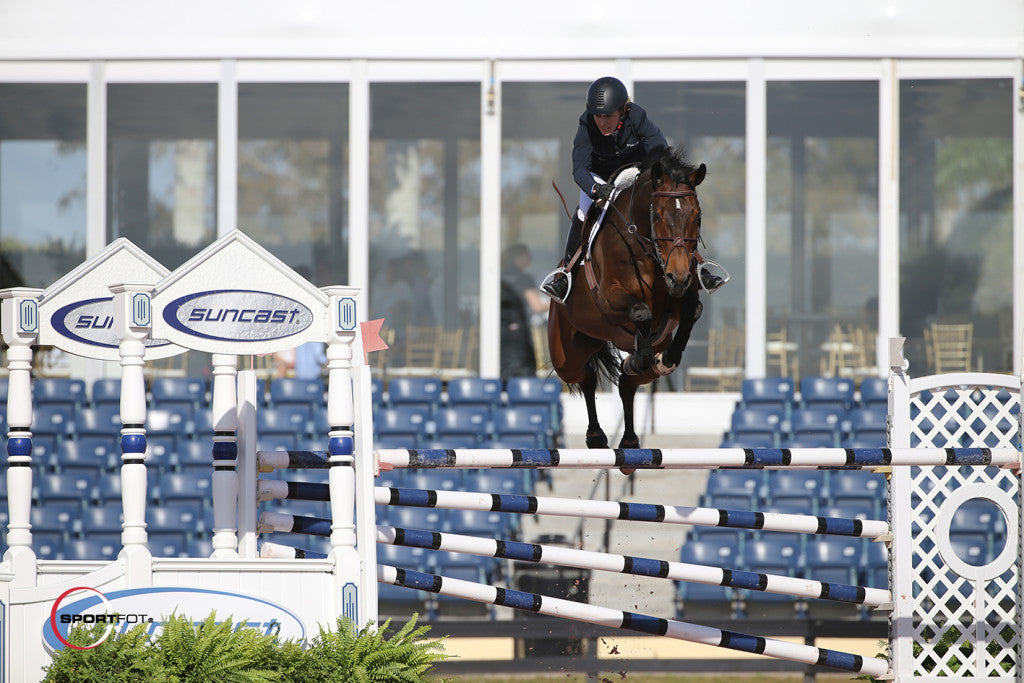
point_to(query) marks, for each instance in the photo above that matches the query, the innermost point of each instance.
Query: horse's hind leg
(596, 437)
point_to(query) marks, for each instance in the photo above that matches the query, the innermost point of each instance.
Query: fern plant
(367, 655)
(121, 658)
(214, 652)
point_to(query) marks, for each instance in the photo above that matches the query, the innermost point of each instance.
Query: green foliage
(209, 651)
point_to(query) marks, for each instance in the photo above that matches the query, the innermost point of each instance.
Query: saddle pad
(623, 180)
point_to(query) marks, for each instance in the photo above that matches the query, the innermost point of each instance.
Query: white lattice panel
(966, 620)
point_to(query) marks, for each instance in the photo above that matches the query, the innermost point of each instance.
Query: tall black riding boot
(557, 283)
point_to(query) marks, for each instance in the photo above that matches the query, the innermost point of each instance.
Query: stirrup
(549, 282)
(712, 276)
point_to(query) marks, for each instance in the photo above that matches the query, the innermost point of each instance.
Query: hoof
(663, 370)
(597, 439)
(627, 470)
(632, 442)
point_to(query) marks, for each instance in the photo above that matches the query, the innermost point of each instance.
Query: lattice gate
(957, 612)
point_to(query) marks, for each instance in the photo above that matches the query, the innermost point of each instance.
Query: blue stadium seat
(453, 441)
(435, 480)
(511, 441)
(106, 392)
(108, 489)
(861, 487)
(875, 566)
(192, 454)
(316, 443)
(59, 390)
(802, 487)
(160, 449)
(184, 486)
(287, 390)
(3, 389)
(288, 418)
(860, 420)
(422, 392)
(178, 391)
(850, 509)
(88, 452)
(179, 516)
(102, 519)
(319, 424)
(817, 421)
(102, 421)
(74, 488)
(167, 544)
(827, 392)
(734, 489)
(3, 419)
(377, 392)
(775, 555)
(404, 558)
(475, 391)
(55, 517)
(54, 419)
(539, 391)
(481, 523)
(398, 440)
(523, 420)
(750, 440)
(978, 518)
(722, 552)
(506, 482)
(49, 546)
(94, 547)
(428, 519)
(874, 394)
(814, 440)
(274, 442)
(407, 422)
(198, 547)
(202, 424)
(757, 423)
(176, 422)
(835, 559)
(462, 422)
(770, 393)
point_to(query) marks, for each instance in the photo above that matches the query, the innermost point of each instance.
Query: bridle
(651, 242)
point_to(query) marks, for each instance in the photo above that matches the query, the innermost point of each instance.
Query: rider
(612, 133)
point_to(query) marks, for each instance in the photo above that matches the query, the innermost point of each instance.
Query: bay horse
(636, 291)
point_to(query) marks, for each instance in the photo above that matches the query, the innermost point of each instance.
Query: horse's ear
(697, 177)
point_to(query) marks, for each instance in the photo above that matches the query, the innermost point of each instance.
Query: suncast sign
(122, 610)
(92, 322)
(237, 315)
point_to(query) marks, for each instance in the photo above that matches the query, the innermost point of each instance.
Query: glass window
(161, 167)
(538, 124)
(956, 219)
(709, 120)
(425, 223)
(822, 225)
(292, 174)
(42, 182)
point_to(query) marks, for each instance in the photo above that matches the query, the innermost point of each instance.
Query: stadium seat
(102, 519)
(539, 391)
(54, 419)
(167, 544)
(860, 420)
(184, 486)
(770, 393)
(409, 423)
(275, 442)
(173, 421)
(719, 552)
(827, 392)
(289, 390)
(49, 546)
(108, 488)
(428, 519)
(94, 453)
(106, 392)
(287, 418)
(511, 441)
(523, 420)
(419, 392)
(198, 547)
(192, 454)
(481, 523)
(814, 440)
(861, 487)
(180, 517)
(3, 389)
(474, 391)
(874, 394)
(74, 488)
(834, 559)
(376, 392)
(178, 391)
(733, 489)
(469, 421)
(507, 482)
(104, 420)
(59, 390)
(775, 555)
(55, 517)
(435, 480)
(978, 518)
(94, 547)
(804, 488)
(816, 421)
(758, 424)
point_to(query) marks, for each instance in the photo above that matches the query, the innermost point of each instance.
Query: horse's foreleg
(689, 313)
(596, 437)
(642, 357)
(627, 392)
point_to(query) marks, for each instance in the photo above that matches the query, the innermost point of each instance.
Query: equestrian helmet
(606, 96)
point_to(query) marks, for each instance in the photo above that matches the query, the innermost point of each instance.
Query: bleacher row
(826, 412)
(76, 493)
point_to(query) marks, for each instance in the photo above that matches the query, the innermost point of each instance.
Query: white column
(888, 211)
(901, 548)
(227, 148)
(19, 317)
(490, 224)
(756, 240)
(1017, 107)
(343, 324)
(359, 177)
(132, 323)
(225, 455)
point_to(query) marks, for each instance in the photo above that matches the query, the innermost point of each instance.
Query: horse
(638, 291)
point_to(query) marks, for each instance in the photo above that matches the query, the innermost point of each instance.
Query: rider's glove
(602, 191)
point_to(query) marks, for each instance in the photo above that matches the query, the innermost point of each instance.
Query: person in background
(520, 300)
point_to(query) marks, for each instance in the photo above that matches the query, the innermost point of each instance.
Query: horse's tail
(606, 363)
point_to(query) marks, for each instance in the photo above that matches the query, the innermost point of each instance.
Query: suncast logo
(238, 315)
(91, 321)
(125, 609)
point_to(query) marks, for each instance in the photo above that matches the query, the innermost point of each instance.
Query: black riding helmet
(606, 96)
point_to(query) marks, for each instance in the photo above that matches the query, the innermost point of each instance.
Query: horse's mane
(673, 163)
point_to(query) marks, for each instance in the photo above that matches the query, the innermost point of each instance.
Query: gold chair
(541, 353)
(724, 370)
(782, 354)
(949, 347)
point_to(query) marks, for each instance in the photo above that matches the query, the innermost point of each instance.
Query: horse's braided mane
(673, 163)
